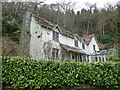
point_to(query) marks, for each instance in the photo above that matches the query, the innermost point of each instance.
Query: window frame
(83, 46)
(76, 43)
(55, 53)
(55, 36)
(94, 48)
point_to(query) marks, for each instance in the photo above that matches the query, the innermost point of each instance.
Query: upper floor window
(55, 36)
(76, 43)
(83, 45)
(55, 53)
(94, 47)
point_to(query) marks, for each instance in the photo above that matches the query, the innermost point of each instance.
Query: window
(84, 59)
(55, 36)
(73, 57)
(55, 53)
(94, 47)
(39, 36)
(103, 59)
(76, 43)
(96, 59)
(80, 57)
(88, 58)
(83, 45)
(100, 59)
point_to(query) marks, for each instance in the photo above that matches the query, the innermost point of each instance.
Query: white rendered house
(40, 39)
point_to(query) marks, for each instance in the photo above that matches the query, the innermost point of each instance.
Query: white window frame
(55, 36)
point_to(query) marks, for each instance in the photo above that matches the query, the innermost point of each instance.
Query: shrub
(25, 73)
(115, 59)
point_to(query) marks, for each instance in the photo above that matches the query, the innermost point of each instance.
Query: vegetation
(24, 73)
(115, 59)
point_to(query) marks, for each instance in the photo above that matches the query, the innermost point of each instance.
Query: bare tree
(90, 7)
(66, 7)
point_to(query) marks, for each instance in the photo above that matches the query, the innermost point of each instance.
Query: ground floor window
(96, 59)
(100, 59)
(84, 58)
(80, 58)
(103, 59)
(88, 58)
(55, 53)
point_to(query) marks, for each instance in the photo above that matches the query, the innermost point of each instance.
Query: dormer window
(55, 36)
(83, 45)
(76, 43)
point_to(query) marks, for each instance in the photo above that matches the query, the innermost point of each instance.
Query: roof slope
(73, 49)
(87, 38)
(46, 24)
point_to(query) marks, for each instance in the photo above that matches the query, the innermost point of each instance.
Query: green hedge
(24, 73)
(114, 59)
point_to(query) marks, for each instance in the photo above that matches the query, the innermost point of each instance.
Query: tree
(66, 7)
(118, 27)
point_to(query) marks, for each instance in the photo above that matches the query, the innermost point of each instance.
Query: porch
(73, 54)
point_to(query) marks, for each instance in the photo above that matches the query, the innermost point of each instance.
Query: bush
(115, 59)
(25, 73)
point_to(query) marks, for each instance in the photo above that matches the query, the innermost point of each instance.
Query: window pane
(76, 43)
(94, 47)
(83, 45)
(55, 53)
(55, 36)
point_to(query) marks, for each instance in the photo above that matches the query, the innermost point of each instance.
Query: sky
(81, 3)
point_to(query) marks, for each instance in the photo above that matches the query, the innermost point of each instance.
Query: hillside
(9, 47)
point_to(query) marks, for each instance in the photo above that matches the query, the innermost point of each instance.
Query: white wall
(80, 44)
(66, 40)
(36, 43)
(47, 35)
(90, 46)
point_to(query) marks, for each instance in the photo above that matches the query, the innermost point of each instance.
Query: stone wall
(24, 47)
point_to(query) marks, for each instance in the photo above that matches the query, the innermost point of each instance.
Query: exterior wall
(66, 40)
(41, 42)
(100, 58)
(90, 46)
(36, 44)
(80, 44)
(67, 56)
(47, 35)
(24, 47)
(69, 41)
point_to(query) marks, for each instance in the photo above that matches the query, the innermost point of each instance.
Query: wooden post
(71, 56)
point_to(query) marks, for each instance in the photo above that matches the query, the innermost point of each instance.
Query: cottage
(41, 39)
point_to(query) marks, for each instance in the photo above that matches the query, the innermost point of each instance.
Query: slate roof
(73, 49)
(43, 22)
(46, 24)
